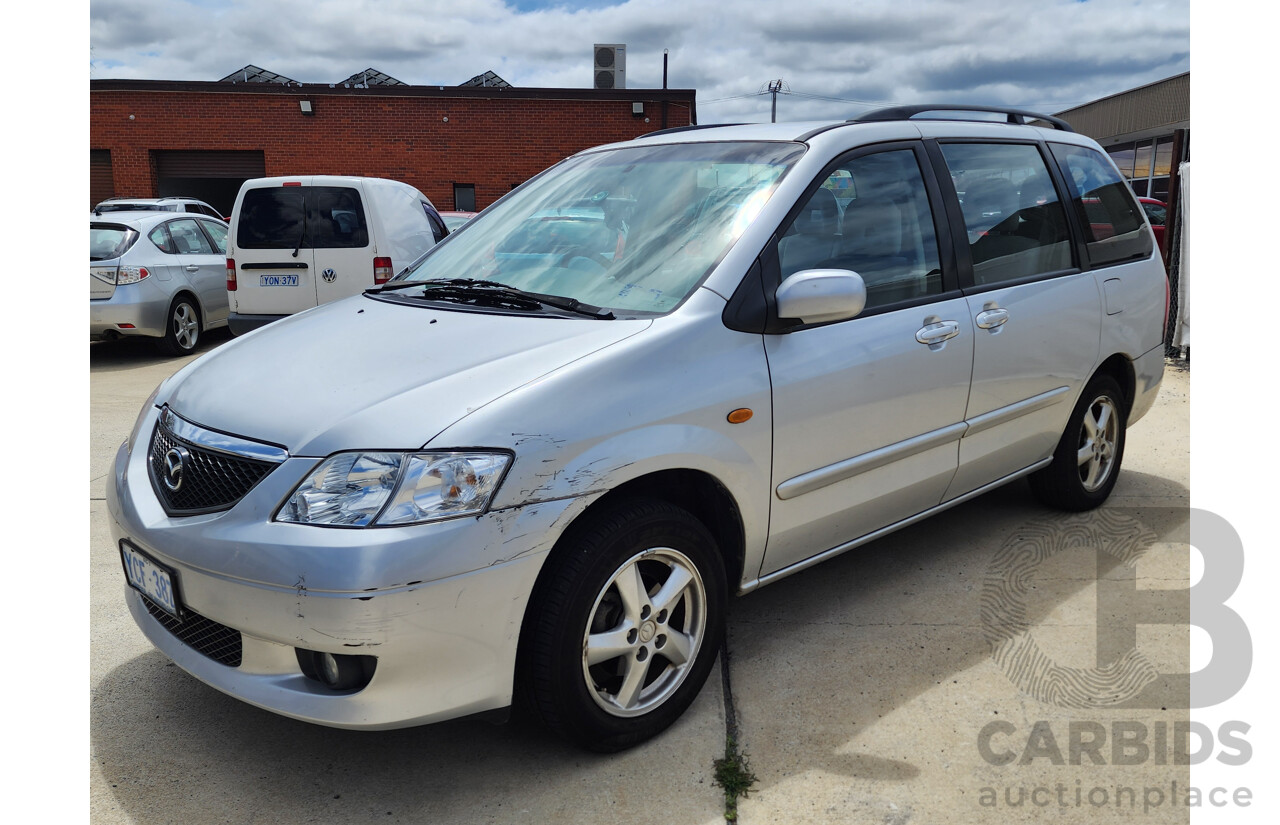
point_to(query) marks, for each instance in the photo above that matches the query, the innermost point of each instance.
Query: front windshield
(632, 230)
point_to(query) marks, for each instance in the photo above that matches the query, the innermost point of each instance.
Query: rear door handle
(192, 268)
(935, 333)
(992, 318)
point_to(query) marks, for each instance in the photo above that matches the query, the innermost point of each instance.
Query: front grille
(217, 641)
(208, 480)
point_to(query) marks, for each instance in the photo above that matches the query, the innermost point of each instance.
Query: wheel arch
(1120, 368)
(696, 491)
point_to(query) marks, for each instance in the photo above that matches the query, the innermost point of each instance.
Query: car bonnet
(366, 374)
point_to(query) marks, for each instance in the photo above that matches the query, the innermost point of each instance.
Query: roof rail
(1017, 116)
(695, 126)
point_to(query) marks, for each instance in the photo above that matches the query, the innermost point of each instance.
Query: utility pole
(775, 86)
(664, 88)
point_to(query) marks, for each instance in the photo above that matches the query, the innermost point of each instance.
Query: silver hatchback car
(157, 275)
(535, 466)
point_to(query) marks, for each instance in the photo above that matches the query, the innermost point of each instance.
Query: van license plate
(277, 280)
(149, 577)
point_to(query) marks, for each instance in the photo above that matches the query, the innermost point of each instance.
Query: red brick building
(460, 145)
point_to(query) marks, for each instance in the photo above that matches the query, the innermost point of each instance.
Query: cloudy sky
(836, 58)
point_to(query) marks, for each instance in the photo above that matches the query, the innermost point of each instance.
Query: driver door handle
(938, 332)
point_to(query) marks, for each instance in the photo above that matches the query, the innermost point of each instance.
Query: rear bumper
(1148, 371)
(240, 324)
(141, 305)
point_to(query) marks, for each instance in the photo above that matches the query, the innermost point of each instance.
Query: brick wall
(428, 141)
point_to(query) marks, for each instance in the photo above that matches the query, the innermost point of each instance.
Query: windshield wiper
(493, 293)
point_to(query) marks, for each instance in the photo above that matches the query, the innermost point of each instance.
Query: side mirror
(817, 296)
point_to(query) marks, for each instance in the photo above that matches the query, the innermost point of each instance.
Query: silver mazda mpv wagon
(534, 467)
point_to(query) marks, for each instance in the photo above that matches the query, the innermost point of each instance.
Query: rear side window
(1017, 228)
(1113, 222)
(188, 239)
(310, 217)
(108, 241)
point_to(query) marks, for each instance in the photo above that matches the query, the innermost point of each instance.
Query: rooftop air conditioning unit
(610, 66)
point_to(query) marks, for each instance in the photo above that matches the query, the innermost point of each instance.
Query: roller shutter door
(210, 164)
(101, 184)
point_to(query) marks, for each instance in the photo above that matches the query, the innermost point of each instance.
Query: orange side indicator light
(740, 415)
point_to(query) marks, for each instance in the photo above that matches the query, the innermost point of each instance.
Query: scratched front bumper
(438, 605)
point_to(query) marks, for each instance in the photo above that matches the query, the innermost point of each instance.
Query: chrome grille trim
(194, 473)
(220, 442)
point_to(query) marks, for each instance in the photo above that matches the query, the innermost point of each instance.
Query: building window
(1146, 165)
(464, 197)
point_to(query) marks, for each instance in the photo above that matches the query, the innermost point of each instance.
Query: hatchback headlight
(383, 489)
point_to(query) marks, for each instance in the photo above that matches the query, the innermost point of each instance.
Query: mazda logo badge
(329, 276)
(174, 466)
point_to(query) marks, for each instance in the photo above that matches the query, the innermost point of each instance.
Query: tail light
(131, 274)
(231, 275)
(1167, 287)
(381, 270)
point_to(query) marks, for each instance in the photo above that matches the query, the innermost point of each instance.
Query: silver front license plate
(277, 280)
(149, 577)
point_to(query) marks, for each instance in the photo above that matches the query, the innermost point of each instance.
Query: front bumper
(439, 605)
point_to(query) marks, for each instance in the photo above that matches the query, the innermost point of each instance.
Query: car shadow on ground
(131, 353)
(817, 658)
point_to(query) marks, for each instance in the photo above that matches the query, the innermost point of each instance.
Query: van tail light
(231, 275)
(381, 270)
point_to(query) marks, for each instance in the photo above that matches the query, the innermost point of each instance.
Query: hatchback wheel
(183, 332)
(624, 626)
(1087, 461)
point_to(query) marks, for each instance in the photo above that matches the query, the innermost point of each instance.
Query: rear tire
(1087, 461)
(624, 625)
(182, 334)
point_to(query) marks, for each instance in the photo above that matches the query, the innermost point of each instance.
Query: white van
(300, 241)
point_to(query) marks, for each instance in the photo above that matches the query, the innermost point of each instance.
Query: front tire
(624, 625)
(182, 334)
(1087, 461)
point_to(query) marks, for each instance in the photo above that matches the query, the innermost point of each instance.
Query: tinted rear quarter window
(1113, 222)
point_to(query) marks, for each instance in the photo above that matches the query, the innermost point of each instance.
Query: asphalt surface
(861, 688)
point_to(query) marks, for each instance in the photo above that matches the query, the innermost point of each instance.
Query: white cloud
(1041, 54)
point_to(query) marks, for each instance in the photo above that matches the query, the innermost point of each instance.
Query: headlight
(385, 489)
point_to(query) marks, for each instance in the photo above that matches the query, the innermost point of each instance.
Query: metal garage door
(210, 164)
(101, 185)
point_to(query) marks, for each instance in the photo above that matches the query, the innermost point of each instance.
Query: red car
(1156, 211)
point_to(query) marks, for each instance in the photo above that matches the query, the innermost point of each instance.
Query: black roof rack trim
(1015, 116)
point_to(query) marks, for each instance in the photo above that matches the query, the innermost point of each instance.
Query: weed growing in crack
(734, 775)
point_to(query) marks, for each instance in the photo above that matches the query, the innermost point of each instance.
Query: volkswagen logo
(329, 276)
(175, 462)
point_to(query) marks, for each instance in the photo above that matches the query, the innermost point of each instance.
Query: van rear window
(307, 217)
